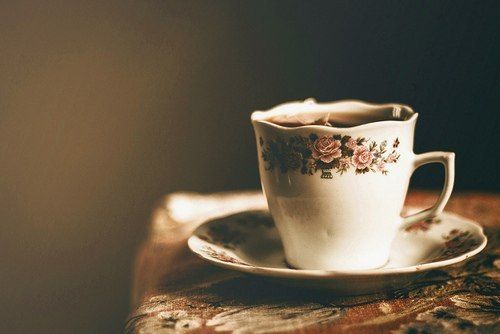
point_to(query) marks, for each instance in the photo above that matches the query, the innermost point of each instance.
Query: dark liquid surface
(341, 118)
(332, 123)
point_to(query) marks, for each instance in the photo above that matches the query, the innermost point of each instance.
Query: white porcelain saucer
(249, 242)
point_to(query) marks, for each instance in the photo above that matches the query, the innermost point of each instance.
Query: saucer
(249, 242)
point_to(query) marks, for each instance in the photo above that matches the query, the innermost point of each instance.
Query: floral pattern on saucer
(223, 235)
(457, 242)
(423, 225)
(221, 256)
(230, 235)
(327, 153)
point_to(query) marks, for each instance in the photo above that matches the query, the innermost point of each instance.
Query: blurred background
(105, 106)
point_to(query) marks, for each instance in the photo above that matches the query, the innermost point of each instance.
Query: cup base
(289, 265)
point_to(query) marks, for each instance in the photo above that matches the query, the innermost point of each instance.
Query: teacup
(336, 175)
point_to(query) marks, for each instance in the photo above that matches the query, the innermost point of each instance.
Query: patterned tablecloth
(176, 292)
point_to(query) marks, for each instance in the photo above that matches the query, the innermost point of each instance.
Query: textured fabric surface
(174, 291)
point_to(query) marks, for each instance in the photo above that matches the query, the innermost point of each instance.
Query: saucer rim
(327, 274)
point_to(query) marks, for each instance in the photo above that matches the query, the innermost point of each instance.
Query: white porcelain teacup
(336, 175)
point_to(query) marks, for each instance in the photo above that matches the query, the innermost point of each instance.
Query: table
(176, 292)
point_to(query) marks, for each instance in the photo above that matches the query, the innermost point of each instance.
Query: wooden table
(176, 292)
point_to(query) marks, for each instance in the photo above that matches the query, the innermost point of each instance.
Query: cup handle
(447, 159)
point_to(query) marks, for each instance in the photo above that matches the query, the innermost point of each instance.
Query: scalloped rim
(260, 116)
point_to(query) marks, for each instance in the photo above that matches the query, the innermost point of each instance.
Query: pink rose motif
(326, 149)
(393, 157)
(362, 157)
(351, 143)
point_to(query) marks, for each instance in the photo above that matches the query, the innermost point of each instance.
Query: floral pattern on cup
(326, 149)
(338, 153)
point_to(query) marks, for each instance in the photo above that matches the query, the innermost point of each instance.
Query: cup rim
(261, 116)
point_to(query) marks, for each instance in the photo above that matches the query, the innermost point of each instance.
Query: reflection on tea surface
(340, 114)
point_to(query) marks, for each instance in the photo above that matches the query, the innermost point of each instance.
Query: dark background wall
(107, 105)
